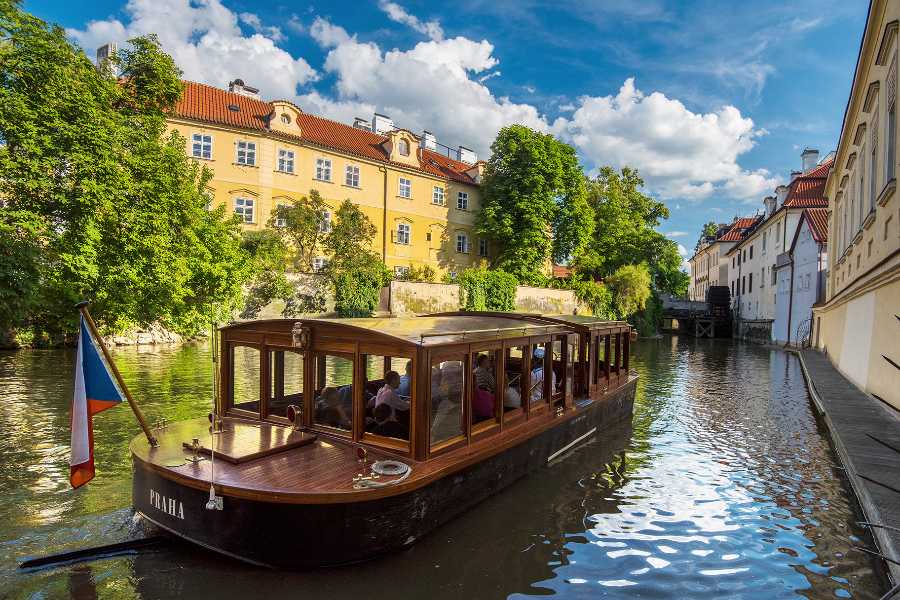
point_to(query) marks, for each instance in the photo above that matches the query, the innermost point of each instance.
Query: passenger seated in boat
(346, 395)
(447, 423)
(388, 394)
(332, 413)
(483, 377)
(511, 397)
(537, 376)
(386, 426)
(405, 381)
(482, 401)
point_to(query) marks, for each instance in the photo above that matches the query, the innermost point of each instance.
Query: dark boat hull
(286, 535)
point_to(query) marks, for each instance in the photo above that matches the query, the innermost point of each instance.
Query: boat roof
(577, 322)
(422, 331)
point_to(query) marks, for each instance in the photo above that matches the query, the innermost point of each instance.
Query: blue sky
(713, 102)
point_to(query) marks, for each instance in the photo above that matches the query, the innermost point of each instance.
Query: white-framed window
(323, 169)
(246, 153)
(484, 248)
(244, 208)
(404, 188)
(318, 263)
(462, 201)
(401, 271)
(326, 222)
(462, 243)
(402, 233)
(403, 147)
(873, 167)
(201, 146)
(280, 222)
(351, 175)
(285, 160)
(438, 195)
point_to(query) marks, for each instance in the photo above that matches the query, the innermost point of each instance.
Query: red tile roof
(562, 271)
(208, 104)
(818, 223)
(809, 189)
(736, 231)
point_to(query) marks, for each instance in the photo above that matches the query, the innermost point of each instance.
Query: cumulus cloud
(398, 14)
(682, 250)
(206, 42)
(680, 154)
(676, 233)
(439, 85)
(273, 33)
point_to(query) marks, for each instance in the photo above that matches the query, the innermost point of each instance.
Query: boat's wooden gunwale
(423, 472)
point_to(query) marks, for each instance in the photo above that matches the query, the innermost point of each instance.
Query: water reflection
(723, 487)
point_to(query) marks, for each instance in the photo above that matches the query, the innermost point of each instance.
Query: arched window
(404, 147)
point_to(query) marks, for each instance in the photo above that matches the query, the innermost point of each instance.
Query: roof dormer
(402, 147)
(477, 171)
(284, 118)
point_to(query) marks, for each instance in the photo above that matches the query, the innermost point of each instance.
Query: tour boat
(290, 470)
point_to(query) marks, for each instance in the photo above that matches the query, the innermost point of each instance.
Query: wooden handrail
(497, 330)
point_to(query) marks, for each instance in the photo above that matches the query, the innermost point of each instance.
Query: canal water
(724, 486)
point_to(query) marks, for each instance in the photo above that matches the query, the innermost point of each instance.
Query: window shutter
(393, 236)
(892, 82)
(469, 248)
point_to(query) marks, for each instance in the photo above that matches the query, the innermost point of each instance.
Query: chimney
(362, 124)
(795, 175)
(382, 124)
(104, 53)
(237, 87)
(467, 156)
(810, 160)
(428, 141)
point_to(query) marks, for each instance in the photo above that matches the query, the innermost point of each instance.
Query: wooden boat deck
(318, 472)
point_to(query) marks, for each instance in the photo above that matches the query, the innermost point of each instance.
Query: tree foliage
(98, 200)
(301, 225)
(709, 230)
(630, 285)
(623, 233)
(488, 289)
(354, 273)
(533, 200)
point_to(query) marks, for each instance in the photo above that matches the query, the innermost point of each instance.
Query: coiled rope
(388, 468)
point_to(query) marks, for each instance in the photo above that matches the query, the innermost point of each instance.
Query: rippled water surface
(724, 486)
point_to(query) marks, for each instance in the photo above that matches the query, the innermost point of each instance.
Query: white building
(801, 282)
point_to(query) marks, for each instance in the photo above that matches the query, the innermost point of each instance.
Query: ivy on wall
(491, 290)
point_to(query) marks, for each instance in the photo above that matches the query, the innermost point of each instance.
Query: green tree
(302, 225)
(630, 285)
(488, 289)
(533, 203)
(354, 273)
(103, 203)
(624, 235)
(709, 230)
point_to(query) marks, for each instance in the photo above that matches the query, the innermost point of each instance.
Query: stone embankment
(155, 334)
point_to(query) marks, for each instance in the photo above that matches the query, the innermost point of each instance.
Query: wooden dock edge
(860, 487)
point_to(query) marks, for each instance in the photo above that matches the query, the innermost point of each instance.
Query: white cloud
(676, 233)
(439, 85)
(682, 250)
(398, 14)
(295, 25)
(680, 154)
(528, 88)
(204, 39)
(273, 33)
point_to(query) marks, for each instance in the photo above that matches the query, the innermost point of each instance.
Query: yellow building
(266, 153)
(857, 325)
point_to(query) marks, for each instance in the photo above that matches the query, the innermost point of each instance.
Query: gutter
(384, 219)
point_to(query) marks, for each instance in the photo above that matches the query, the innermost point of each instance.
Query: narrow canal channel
(724, 486)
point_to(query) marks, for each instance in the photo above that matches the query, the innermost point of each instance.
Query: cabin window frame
(513, 416)
(489, 427)
(313, 378)
(264, 408)
(455, 352)
(538, 408)
(398, 446)
(228, 407)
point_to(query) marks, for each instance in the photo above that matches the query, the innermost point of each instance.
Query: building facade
(858, 326)
(267, 153)
(801, 284)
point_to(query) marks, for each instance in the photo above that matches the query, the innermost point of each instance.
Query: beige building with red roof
(422, 196)
(709, 265)
(859, 325)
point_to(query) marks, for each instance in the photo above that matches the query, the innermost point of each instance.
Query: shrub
(492, 290)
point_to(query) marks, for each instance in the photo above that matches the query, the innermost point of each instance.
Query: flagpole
(82, 306)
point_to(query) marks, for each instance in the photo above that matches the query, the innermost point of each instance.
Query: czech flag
(95, 391)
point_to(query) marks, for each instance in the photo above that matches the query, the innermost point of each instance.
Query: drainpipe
(790, 304)
(384, 221)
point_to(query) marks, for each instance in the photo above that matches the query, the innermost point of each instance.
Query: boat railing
(496, 330)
